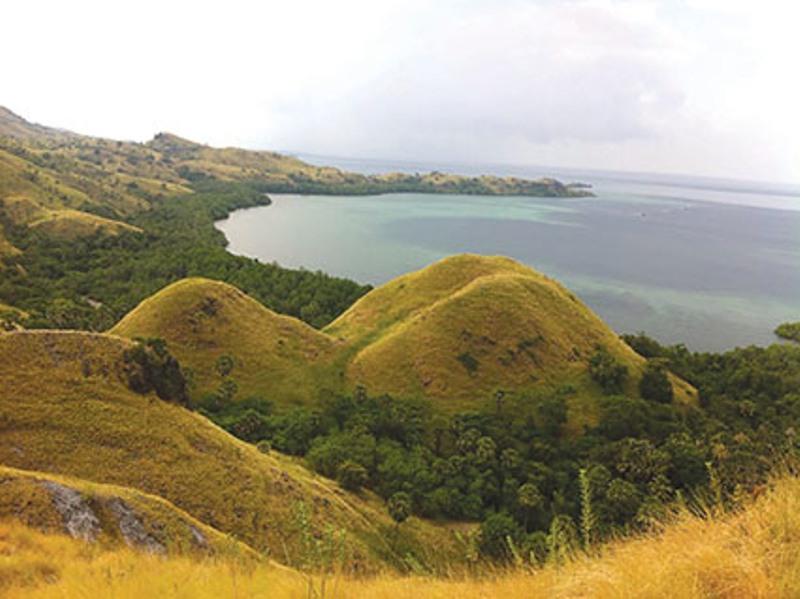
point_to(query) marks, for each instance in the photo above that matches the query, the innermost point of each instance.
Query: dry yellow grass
(275, 357)
(72, 224)
(751, 554)
(455, 332)
(27, 497)
(65, 409)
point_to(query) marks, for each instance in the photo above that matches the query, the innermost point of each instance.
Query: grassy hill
(203, 320)
(66, 408)
(455, 332)
(751, 553)
(470, 326)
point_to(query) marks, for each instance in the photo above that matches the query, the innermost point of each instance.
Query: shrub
(399, 506)
(655, 385)
(150, 367)
(607, 371)
(351, 475)
(496, 530)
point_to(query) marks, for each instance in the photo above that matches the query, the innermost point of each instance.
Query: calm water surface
(708, 263)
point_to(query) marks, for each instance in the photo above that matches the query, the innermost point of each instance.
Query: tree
(623, 500)
(607, 371)
(351, 475)
(529, 499)
(224, 365)
(552, 415)
(399, 506)
(655, 385)
(150, 367)
(496, 530)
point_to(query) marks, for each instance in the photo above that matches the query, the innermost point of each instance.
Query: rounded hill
(272, 356)
(468, 327)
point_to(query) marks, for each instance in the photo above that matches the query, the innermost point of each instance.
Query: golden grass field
(524, 332)
(66, 410)
(750, 553)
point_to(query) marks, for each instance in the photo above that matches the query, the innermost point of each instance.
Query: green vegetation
(90, 227)
(514, 465)
(91, 282)
(460, 331)
(66, 408)
(789, 331)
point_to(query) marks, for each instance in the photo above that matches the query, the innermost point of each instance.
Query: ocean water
(710, 263)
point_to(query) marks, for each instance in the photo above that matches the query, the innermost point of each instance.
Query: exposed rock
(132, 529)
(79, 519)
(198, 537)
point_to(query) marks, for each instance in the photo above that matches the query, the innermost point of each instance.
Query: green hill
(66, 408)
(274, 356)
(456, 332)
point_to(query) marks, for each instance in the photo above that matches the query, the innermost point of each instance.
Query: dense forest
(91, 282)
(512, 466)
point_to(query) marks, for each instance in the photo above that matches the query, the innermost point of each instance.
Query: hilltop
(203, 321)
(455, 333)
(68, 408)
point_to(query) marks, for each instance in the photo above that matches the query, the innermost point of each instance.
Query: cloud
(700, 86)
(520, 73)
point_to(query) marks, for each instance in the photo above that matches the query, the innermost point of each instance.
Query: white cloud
(700, 86)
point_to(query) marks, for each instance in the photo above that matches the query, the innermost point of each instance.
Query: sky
(706, 87)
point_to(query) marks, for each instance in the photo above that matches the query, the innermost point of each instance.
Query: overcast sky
(684, 86)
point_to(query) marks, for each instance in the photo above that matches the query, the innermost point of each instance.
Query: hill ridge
(458, 330)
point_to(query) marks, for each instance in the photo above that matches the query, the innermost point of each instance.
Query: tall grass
(753, 551)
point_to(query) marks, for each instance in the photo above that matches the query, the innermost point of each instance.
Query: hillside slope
(66, 408)
(201, 320)
(107, 514)
(456, 332)
(469, 326)
(752, 553)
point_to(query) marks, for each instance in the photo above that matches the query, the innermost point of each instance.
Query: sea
(710, 263)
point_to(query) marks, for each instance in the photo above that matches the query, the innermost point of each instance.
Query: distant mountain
(13, 125)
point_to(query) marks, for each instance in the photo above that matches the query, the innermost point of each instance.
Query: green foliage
(399, 507)
(469, 362)
(562, 539)
(496, 531)
(351, 475)
(150, 367)
(655, 384)
(224, 365)
(789, 331)
(607, 371)
(588, 515)
(53, 278)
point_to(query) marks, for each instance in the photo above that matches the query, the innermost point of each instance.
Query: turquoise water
(710, 267)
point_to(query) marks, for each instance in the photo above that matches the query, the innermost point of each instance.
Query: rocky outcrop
(79, 519)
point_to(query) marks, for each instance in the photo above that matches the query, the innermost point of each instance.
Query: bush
(607, 371)
(655, 385)
(399, 506)
(150, 367)
(496, 530)
(351, 475)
